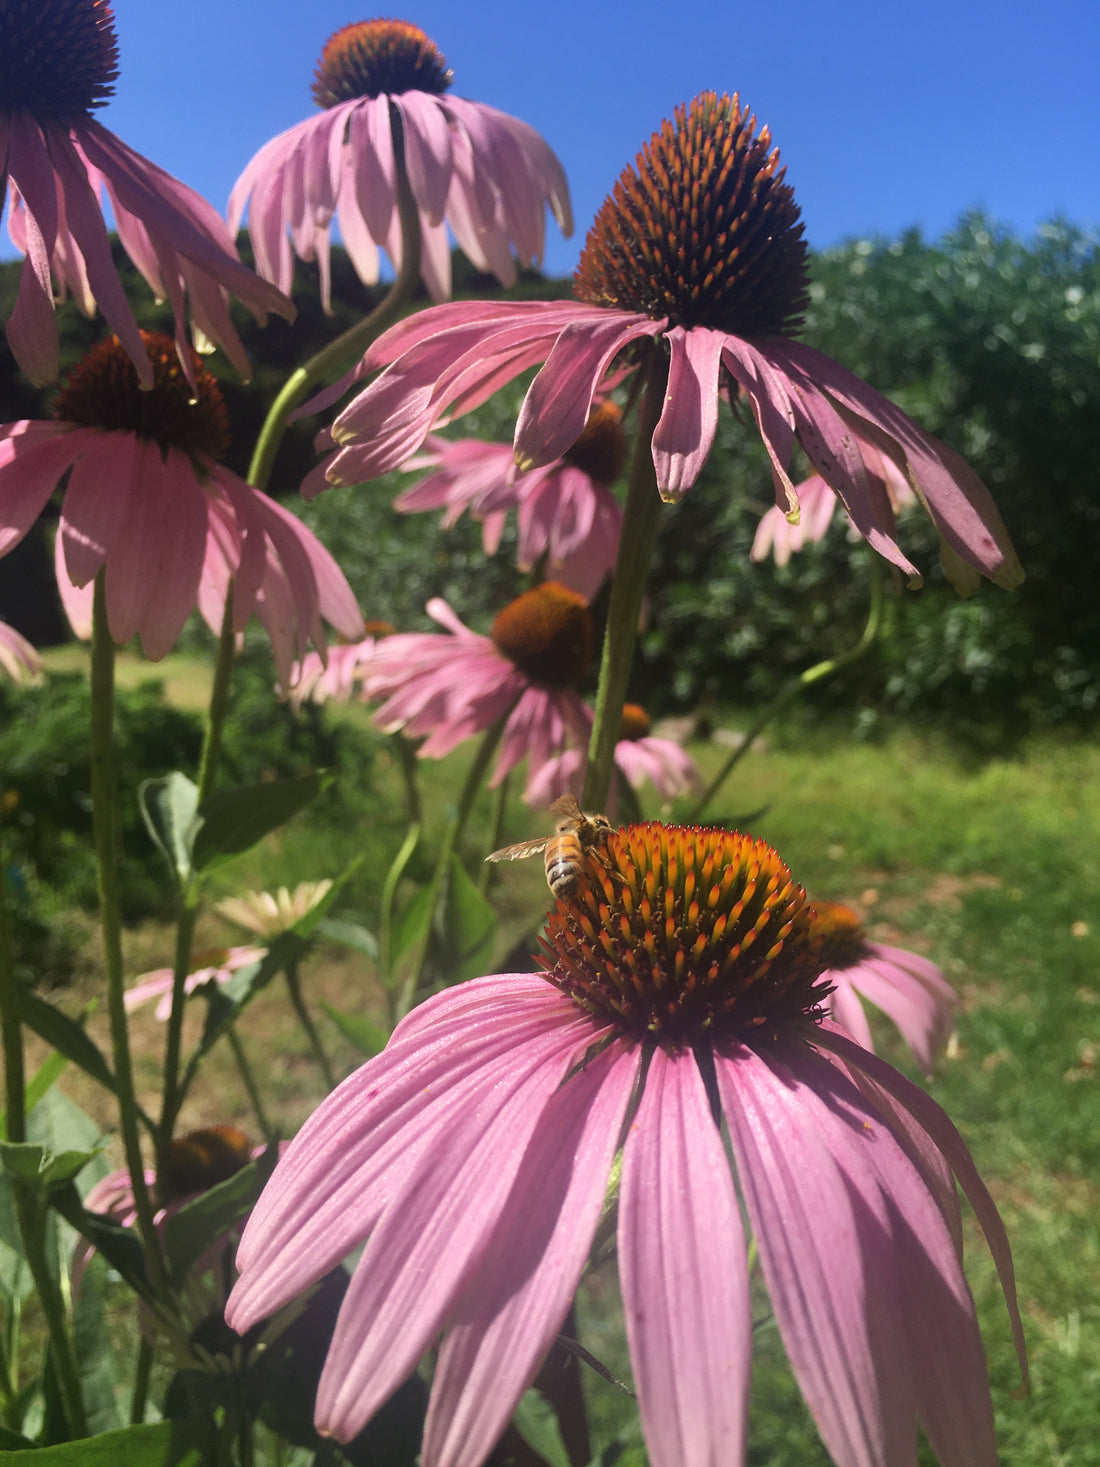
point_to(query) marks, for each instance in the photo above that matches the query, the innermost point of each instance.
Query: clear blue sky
(886, 114)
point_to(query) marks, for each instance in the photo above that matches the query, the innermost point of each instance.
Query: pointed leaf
(234, 820)
(316, 916)
(164, 1444)
(470, 923)
(169, 807)
(411, 927)
(120, 1246)
(46, 1171)
(66, 1035)
(366, 1036)
(192, 1228)
(350, 934)
(537, 1425)
(48, 1072)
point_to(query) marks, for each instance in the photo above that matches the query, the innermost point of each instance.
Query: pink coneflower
(639, 756)
(214, 967)
(472, 1159)
(697, 254)
(148, 504)
(566, 511)
(18, 659)
(384, 87)
(775, 532)
(58, 62)
(337, 677)
(447, 687)
(908, 989)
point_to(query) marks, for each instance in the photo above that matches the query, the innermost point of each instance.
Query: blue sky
(886, 114)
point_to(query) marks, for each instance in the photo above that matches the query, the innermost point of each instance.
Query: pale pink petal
(427, 151)
(32, 326)
(511, 1308)
(685, 433)
(370, 147)
(76, 601)
(18, 659)
(684, 1271)
(33, 457)
(96, 506)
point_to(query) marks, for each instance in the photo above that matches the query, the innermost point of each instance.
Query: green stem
(457, 825)
(797, 685)
(385, 926)
(30, 1210)
(641, 516)
(405, 754)
(218, 710)
(294, 988)
(143, 1368)
(500, 802)
(342, 352)
(248, 1079)
(106, 849)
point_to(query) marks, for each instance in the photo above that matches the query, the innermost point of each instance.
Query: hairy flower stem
(804, 680)
(474, 781)
(641, 516)
(294, 988)
(30, 1209)
(172, 1097)
(105, 834)
(342, 352)
(248, 1080)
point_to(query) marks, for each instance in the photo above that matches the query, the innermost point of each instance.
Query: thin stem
(641, 517)
(294, 988)
(342, 352)
(457, 825)
(248, 1080)
(804, 680)
(405, 754)
(30, 1209)
(172, 1097)
(142, 1370)
(106, 850)
(496, 819)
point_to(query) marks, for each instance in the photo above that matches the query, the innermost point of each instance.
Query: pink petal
(685, 433)
(96, 506)
(684, 1273)
(512, 1306)
(33, 457)
(427, 151)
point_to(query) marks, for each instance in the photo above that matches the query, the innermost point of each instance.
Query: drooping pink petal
(97, 505)
(439, 1221)
(18, 659)
(427, 151)
(33, 457)
(684, 1271)
(506, 1317)
(684, 435)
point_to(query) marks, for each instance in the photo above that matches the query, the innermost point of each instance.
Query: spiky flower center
(839, 931)
(600, 451)
(683, 934)
(201, 1160)
(547, 633)
(103, 392)
(634, 723)
(370, 58)
(379, 629)
(701, 229)
(58, 58)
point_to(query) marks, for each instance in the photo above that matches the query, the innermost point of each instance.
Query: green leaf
(366, 1036)
(16, 1283)
(233, 821)
(316, 916)
(536, 1423)
(11, 1441)
(101, 1377)
(120, 1246)
(411, 927)
(66, 1035)
(163, 1444)
(226, 1000)
(47, 1074)
(30, 1161)
(350, 934)
(190, 1230)
(470, 923)
(169, 807)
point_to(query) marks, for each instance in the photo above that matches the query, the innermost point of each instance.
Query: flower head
(268, 915)
(58, 63)
(383, 85)
(682, 988)
(639, 756)
(909, 989)
(698, 254)
(147, 504)
(447, 687)
(336, 677)
(216, 966)
(566, 511)
(777, 534)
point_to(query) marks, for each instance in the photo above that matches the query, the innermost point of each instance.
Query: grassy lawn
(990, 867)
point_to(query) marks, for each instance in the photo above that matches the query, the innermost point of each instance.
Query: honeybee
(576, 835)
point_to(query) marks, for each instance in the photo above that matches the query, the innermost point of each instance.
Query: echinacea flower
(776, 533)
(317, 678)
(471, 1161)
(698, 255)
(217, 966)
(59, 61)
(269, 914)
(639, 756)
(383, 85)
(908, 988)
(566, 511)
(18, 659)
(148, 504)
(445, 687)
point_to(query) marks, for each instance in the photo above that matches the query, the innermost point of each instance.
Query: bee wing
(567, 805)
(520, 851)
